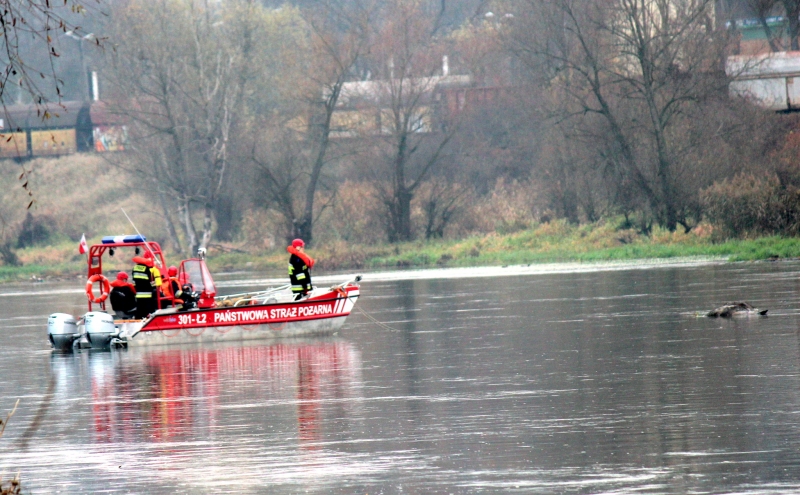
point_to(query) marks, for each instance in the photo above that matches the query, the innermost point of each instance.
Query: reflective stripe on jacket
(299, 276)
(143, 281)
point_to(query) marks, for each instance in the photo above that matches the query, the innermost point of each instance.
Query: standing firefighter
(146, 280)
(299, 265)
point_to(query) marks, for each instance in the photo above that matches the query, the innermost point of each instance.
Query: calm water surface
(584, 382)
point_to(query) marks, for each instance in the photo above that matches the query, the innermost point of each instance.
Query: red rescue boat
(202, 316)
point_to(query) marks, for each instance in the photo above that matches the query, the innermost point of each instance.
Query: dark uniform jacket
(122, 296)
(299, 275)
(143, 281)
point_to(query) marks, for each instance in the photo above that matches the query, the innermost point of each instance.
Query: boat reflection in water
(182, 394)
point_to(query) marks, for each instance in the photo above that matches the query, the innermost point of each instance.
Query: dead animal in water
(736, 308)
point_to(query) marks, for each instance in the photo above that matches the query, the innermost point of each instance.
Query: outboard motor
(99, 329)
(62, 330)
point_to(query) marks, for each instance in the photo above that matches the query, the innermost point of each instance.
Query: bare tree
(279, 160)
(341, 36)
(31, 46)
(29, 54)
(413, 136)
(441, 202)
(635, 69)
(338, 35)
(183, 72)
(791, 10)
(779, 35)
(763, 10)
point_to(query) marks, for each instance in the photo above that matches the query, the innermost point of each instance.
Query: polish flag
(82, 248)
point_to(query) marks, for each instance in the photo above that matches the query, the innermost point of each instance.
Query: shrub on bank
(354, 216)
(750, 205)
(509, 224)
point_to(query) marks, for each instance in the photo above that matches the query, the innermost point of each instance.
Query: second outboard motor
(99, 329)
(62, 331)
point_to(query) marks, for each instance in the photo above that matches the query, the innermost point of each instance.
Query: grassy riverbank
(550, 242)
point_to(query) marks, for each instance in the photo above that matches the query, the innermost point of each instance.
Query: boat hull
(267, 331)
(322, 315)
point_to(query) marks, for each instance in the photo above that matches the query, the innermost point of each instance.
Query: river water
(574, 380)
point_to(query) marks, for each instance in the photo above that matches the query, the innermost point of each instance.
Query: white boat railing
(246, 297)
(261, 297)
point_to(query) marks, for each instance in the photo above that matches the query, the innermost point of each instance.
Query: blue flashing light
(123, 239)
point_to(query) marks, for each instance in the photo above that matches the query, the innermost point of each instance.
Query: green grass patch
(545, 243)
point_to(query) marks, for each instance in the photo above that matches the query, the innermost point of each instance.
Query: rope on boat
(379, 323)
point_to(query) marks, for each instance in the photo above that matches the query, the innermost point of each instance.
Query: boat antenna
(146, 244)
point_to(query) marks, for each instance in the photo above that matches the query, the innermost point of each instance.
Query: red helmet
(122, 276)
(298, 243)
(148, 255)
(172, 271)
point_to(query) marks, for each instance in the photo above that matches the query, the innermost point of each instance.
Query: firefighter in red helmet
(299, 265)
(123, 296)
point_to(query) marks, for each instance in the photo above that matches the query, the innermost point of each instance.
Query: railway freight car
(67, 128)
